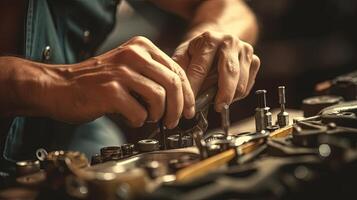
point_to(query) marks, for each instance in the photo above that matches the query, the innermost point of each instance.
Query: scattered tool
(225, 120)
(260, 112)
(283, 116)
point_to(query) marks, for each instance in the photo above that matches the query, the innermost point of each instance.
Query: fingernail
(172, 125)
(190, 112)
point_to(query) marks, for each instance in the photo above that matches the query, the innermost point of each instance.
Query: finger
(245, 60)
(202, 51)
(133, 111)
(152, 93)
(253, 71)
(228, 72)
(181, 56)
(173, 86)
(188, 96)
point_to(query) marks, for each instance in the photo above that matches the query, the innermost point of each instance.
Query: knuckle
(241, 88)
(159, 95)
(129, 51)
(141, 40)
(175, 83)
(249, 49)
(207, 35)
(229, 39)
(124, 71)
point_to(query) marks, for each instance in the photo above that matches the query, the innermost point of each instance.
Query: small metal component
(27, 167)
(262, 114)
(174, 142)
(96, 159)
(313, 105)
(148, 145)
(127, 149)
(216, 136)
(213, 149)
(154, 168)
(283, 116)
(223, 144)
(46, 54)
(181, 162)
(272, 128)
(110, 153)
(225, 123)
(199, 141)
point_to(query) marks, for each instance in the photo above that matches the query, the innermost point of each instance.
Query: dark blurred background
(301, 43)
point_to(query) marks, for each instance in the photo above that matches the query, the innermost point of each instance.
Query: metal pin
(260, 111)
(283, 116)
(225, 120)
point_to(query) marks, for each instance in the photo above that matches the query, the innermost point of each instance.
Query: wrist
(37, 88)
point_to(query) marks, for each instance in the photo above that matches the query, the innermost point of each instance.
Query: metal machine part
(111, 153)
(313, 105)
(148, 145)
(27, 167)
(345, 86)
(283, 116)
(174, 142)
(128, 149)
(225, 121)
(263, 116)
(96, 159)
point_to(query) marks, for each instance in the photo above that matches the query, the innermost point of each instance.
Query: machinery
(314, 156)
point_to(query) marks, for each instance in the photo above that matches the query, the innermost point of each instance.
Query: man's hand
(110, 83)
(232, 58)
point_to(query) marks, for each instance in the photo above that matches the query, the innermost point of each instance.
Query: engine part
(111, 153)
(148, 145)
(96, 159)
(225, 121)
(128, 149)
(313, 105)
(263, 117)
(174, 142)
(27, 167)
(283, 116)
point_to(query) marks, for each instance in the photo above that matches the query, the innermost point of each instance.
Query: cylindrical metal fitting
(225, 123)
(261, 95)
(281, 91)
(96, 159)
(148, 145)
(27, 167)
(110, 153)
(127, 149)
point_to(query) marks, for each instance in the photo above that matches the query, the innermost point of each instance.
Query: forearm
(229, 16)
(25, 86)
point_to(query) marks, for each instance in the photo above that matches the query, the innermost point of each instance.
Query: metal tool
(262, 113)
(148, 145)
(225, 121)
(200, 142)
(283, 116)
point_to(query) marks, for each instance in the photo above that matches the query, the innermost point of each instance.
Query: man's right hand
(112, 83)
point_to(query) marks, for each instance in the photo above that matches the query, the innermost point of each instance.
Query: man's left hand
(232, 59)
